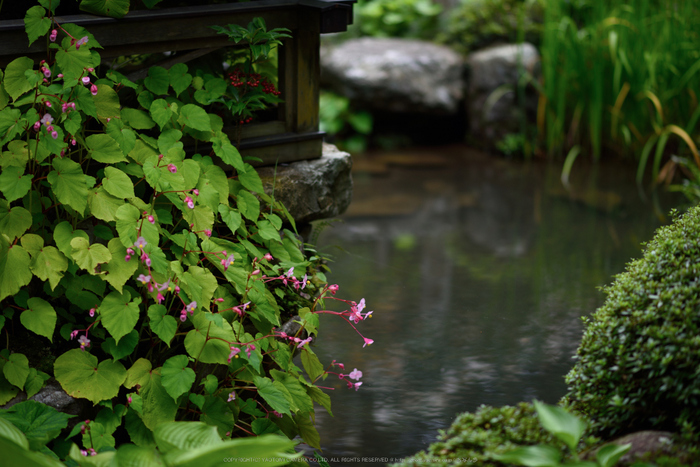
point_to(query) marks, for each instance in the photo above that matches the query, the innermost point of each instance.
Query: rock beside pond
(312, 189)
(397, 75)
(491, 70)
(644, 445)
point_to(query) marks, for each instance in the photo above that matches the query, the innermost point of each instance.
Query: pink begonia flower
(195, 192)
(249, 348)
(73, 334)
(342, 367)
(268, 257)
(143, 279)
(48, 104)
(151, 219)
(333, 288)
(172, 168)
(355, 374)
(81, 41)
(368, 342)
(361, 305)
(207, 232)
(93, 89)
(47, 74)
(357, 385)
(73, 142)
(85, 80)
(37, 126)
(59, 76)
(231, 396)
(228, 261)
(84, 342)
(189, 202)
(53, 35)
(49, 128)
(255, 273)
(177, 289)
(303, 342)
(276, 414)
(165, 286)
(219, 300)
(191, 307)
(234, 353)
(54, 134)
(140, 242)
(160, 298)
(92, 312)
(47, 119)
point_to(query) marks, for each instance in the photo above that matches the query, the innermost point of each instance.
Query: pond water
(478, 270)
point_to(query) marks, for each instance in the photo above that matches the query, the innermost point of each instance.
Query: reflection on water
(478, 271)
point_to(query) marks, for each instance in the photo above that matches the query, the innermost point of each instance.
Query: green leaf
(161, 323)
(161, 112)
(127, 218)
(169, 138)
(16, 369)
(16, 82)
(73, 122)
(311, 363)
(118, 270)
(251, 180)
(36, 23)
(19, 456)
(89, 256)
(141, 152)
(157, 81)
(119, 313)
(200, 285)
(212, 350)
(231, 217)
(158, 406)
(532, 456)
(105, 149)
(80, 376)
(320, 397)
(227, 152)
(14, 222)
(216, 412)
(201, 216)
(565, 426)
(261, 451)
(84, 101)
(39, 422)
(308, 431)
(117, 183)
(138, 432)
(300, 402)
(14, 268)
(11, 124)
(114, 8)
(248, 205)
(125, 347)
(107, 103)
(185, 436)
(139, 373)
(132, 455)
(608, 456)
(125, 137)
(137, 119)
(73, 63)
(195, 117)
(39, 317)
(179, 78)
(69, 183)
(35, 381)
(274, 394)
(103, 205)
(176, 376)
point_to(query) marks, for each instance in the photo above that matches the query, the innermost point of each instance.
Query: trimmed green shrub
(479, 23)
(637, 365)
(476, 438)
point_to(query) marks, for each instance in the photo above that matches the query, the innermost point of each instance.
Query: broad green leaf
(80, 375)
(227, 152)
(158, 406)
(157, 80)
(217, 413)
(14, 222)
(176, 376)
(103, 205)
(168, 139)
(107, 103)
(213, 90)
(16, 369)
(137, 456)
(127, 219)
(73, 63)
(179, 78)
(190, 174)
(161, 112)
(273, 394)
(17, 456)
(114, 8)
(9, 432)
(119, 313)
(185, 436)
(213, 350)
(138, 373)
(200, 284)
(251, 180)
(49, 264)
(311, 363)
(117, 183)
(141, 152)
(18, 155)
(69, 183)
(320, 397)
(14, 184)
(267, 231)
(125, 347)
(137, 119)
(63, 234)
(195, 117)
(125, 137)
(14, 268)
(248, 205)
(36, 23)
(39, 422)
(201, 216)
(215, 177)
(84, 101)
(301, 402)
(138, 431)
(16, 82)
(231, 217)
(308, 431)
(532, 456)
(89, 256)
(99, 437)
(565, 426)
(35, 381)
(73, 122)
(261, 451)
(103, 148)
(11, 124)
(608, 455)
(161, 323)
(39, 317)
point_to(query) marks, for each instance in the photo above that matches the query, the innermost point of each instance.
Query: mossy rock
(475, 438)
(637, 365)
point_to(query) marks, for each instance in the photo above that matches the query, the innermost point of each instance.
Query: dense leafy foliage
(637, 363)
(170, 290)
(397, 18)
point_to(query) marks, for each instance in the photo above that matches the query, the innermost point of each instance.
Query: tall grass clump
(622, 76)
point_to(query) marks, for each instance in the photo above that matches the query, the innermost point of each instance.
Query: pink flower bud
(54, 134)
(53, 35)
(37, 125)
(73, 142)
(207, 232)
(195, 192)
(60, 75)
(151, 219)
(85, 80)
(172, 168)
(92, 312)
(93, 89)
(47, 73)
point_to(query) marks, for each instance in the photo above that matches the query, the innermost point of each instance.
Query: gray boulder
(493, 114)
(397, 75)
(312, 189)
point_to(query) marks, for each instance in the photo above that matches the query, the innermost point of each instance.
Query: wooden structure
(294, 134)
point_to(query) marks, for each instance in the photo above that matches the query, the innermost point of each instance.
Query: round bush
(637, 365)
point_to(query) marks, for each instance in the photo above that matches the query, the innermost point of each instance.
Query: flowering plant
(169, 293)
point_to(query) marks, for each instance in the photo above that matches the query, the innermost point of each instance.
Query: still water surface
(478, 271)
